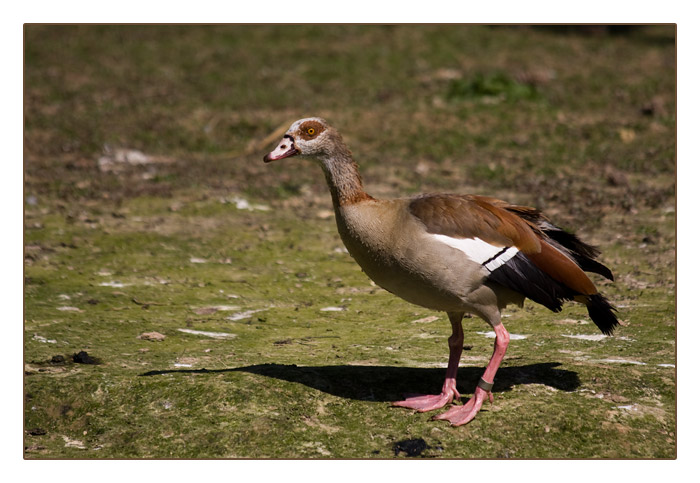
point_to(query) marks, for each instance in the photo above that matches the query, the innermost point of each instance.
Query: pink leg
(422, 403)
(458, 415)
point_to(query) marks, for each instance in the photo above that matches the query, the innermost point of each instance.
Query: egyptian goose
(454, 253)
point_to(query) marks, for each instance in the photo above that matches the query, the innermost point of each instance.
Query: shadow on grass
(387, 383)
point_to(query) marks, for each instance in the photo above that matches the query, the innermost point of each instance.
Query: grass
(581, 125)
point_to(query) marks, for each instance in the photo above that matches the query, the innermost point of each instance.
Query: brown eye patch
(310, 129)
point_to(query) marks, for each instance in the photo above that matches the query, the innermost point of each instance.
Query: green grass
(582, 126)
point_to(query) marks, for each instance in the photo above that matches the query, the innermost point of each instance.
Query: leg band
(486, 386)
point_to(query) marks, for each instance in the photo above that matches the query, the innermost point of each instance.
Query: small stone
(83, 357)
(205, 310)
(69, 309)
(412, 447)
(152, 336)
(425, 320)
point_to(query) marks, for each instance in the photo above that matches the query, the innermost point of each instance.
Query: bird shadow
(389, 383)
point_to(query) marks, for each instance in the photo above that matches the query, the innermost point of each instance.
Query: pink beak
(284, 149)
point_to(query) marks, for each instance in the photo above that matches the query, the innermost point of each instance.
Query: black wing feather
(521, 275)
(581, 252)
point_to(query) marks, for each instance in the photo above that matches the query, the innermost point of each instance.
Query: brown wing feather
(562, 269)
(469, 216)
(524, 236)
(501, 224)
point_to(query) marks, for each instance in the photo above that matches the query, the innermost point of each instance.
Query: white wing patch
(505, 255)
(479, 251)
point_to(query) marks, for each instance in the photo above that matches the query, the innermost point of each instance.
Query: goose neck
(344, 180)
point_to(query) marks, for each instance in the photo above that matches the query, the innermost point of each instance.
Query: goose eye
(311, 131)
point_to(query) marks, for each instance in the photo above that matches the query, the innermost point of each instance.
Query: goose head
(311, 136)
